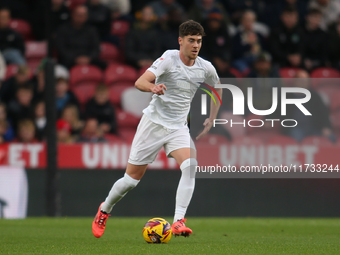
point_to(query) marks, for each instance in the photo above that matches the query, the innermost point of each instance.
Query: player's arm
(144, 84)
(213, 114)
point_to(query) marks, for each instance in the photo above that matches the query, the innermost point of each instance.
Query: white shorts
(151, 137)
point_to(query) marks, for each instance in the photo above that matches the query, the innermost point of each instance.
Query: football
(157, 230)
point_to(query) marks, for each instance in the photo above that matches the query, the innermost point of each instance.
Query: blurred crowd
(244, 38)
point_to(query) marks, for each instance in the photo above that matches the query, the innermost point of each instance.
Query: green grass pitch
(211, 236)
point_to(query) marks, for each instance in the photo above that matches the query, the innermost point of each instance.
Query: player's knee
(131, 182)
(188, 166)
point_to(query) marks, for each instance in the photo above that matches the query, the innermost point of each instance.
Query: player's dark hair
(191, 27)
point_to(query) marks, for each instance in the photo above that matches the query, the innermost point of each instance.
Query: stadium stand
(119, 76)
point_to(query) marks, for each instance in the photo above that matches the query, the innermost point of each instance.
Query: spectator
(263, 67)
(20, 107)
(99, 107)
(273, 10)
(10, 86)
(222, 65)
(141, 46)
(3, 131)
(333, 44)
(317, 124)
(59, 15)
(330, 10)
(92, 132)
(286, 40)
(78, 43)
(11, 42)
(64, 130)
(26, 131)
(71, 115)
(19, 8)
(217, 42)
(40, 119)
(119, 8)
(262, 86)
(169, 29)
(100, 18)
(161, 8)
(315, 42)
(236, 9)
(3, 69)
(9, 133)
(201, 10)
(38, 80)
(247, 44)
(64, 95)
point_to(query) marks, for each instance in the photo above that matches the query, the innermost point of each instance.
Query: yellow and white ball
(157, 230)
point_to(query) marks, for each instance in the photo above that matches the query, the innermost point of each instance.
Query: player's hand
(158, 89)
(207, 126)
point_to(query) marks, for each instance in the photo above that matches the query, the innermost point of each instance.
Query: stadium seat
(33, 65)
(109, 53)
(119, 73)
(282, 140)
(288, 72)
(316, 140)
(85, 74)
(120, 28)
(126, 120)
(116, 93)
(74, 3)
(235, 72)
(84, 92)
(22, 27)
(325, 72)
(12, 70)
(35, 52)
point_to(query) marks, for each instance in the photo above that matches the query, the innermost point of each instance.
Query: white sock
(185, 187)
(118, 190)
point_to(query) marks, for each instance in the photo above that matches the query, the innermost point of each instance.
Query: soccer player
(177, 76)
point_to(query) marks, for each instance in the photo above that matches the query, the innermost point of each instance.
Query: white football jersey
(172, 108)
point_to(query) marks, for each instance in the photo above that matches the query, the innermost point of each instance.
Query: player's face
(191, 45)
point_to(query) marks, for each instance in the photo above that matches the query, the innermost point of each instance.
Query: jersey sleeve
(211, 77)
(161, 65)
